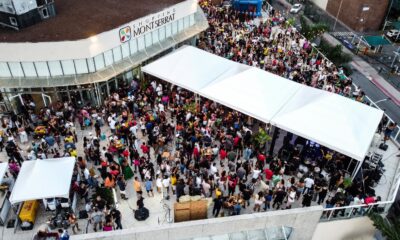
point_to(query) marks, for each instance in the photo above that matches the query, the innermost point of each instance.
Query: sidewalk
(369, 72)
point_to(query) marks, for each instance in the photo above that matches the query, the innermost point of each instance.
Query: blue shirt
(148, 185)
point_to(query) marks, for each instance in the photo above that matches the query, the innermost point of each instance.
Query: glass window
(174, 27)
(4, 71)
(140, 42)
(81, 66)
(29, 69)
(108, 57)
(192, 22)
(154, 36)
(180, 25)
(125, 50)
(55, 68)
(133, 45)
(68, 67)
(161, 33)
(148, 40)
(42, 69)
(168, 30)
(16, 69)
(186, 22)
(90, 63)
(117, 54)
(99, 61)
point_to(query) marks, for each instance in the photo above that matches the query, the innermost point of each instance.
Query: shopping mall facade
(87, 70)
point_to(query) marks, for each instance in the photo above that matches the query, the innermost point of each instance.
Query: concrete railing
(303, 221)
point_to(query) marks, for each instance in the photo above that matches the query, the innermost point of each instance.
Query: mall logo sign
(125, 34)
(147, 24)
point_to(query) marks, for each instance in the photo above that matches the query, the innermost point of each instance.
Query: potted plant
(261, 138)
(390, 230)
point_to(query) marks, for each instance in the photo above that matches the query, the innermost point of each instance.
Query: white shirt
(308, 182)
(112, 124)
(166, 182)
(159, 182)
(256, 174)
(86, 173)
(213, 170)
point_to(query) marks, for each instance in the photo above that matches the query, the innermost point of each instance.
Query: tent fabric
(331, 120)
(339, 123)
(375, 41)
(3, 170)
(41, 179)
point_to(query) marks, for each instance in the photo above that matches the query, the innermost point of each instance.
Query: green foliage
(261, 138)
(190, 107)
(347, 182)
(335, 53)
(290, 21)
(105, 194)
(312, 31)
(388, 229)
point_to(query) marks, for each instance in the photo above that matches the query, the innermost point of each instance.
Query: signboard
(157, 20)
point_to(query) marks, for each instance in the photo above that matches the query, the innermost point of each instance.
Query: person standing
(97, 219)
(149, 187)
(73, 222)
(166, 182)
(116, 214)
(137, 185)
(217, 206)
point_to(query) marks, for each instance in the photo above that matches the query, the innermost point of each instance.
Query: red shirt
(222, 154)
(369, 200)
(145, 149)
(261, 157)
(268, 174)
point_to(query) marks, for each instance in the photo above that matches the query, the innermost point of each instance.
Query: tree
(261, 138)
(312, 31)
(334, 53)
(391, 230)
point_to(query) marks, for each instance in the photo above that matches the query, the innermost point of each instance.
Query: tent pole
(359, 164)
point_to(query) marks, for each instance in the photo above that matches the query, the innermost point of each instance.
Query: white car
(393, 33)
(296, 8)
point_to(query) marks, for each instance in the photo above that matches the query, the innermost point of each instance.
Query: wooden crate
(182, 212)
(190, 211)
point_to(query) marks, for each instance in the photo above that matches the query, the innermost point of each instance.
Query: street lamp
(383, 100)
(337, 15)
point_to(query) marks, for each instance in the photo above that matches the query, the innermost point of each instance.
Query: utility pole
(337, 15)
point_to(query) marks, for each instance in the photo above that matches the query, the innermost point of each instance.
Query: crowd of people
(166, 141)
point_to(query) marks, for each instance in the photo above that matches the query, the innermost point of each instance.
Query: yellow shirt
(217, 193)
(74, 153)
(173, 180)
(69, 139)
(137, 186)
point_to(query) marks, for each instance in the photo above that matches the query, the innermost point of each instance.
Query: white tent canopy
(41, 179)
(334, 121)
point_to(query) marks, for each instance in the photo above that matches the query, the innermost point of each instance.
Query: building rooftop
(78, 19)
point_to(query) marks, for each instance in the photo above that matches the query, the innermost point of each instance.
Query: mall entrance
(93, 94)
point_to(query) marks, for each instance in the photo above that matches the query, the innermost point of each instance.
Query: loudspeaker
(142, 214)
(383, 146)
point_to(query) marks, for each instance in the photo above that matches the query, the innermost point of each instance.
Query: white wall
(357, 228)
(85, 48)
(321, 3)
(302, 220)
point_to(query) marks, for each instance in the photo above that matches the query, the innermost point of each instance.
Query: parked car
(296, 8)
(393, 33)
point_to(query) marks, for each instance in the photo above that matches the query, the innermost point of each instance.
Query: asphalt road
(375, 94)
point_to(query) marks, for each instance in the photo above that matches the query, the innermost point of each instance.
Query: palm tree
(391, 230)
